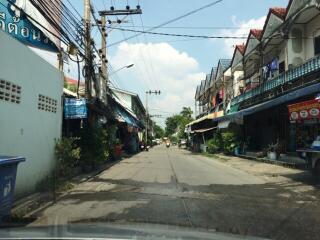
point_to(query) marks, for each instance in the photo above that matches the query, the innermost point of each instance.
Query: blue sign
(75, 108)
(22, 29)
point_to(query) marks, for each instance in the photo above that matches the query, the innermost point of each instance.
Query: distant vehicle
(182, 142)
(168, 144)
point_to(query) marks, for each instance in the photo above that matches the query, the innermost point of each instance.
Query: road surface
(175, 187)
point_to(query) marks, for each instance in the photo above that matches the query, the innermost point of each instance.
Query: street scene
(136, 119)
(174, 187)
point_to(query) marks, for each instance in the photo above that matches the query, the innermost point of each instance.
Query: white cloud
(175, 73)
(243, 31)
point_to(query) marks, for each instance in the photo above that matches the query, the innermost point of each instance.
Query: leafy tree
(177, 123)
(172, 124)
(159, 132)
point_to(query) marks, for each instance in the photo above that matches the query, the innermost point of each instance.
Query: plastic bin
(8, 173)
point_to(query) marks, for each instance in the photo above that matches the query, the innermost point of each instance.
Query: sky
(171, 64)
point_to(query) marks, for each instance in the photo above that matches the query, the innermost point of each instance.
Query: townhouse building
(271, 84)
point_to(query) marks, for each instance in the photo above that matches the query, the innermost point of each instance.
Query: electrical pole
(147, 111)
(104, 69)
(87, 41)
(103, 15)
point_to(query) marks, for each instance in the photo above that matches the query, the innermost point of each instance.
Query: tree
(172, 124)
(178, 122)
(159, 132)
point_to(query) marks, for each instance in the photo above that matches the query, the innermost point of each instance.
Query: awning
(313, 89)
(224, 124)
(204, 130)
(124, 116)
(207, 117)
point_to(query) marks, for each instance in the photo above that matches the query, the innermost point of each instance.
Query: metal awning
(204, 130)
(313, 89)
(207, 117)
(224, 124)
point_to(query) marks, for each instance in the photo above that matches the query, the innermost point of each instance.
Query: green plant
(229, 142)
(214, 145)
(67, 154)
(94, 144)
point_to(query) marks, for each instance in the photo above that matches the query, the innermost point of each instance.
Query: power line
(171, 21)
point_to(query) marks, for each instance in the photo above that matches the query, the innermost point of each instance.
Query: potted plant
(273, 151)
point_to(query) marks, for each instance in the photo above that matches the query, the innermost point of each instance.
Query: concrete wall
(26, 130)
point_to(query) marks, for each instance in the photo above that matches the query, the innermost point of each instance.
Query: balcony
(309, 67)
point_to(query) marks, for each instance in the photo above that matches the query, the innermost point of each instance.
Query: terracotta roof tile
(280, 12)
(257, 33)
(241, 48)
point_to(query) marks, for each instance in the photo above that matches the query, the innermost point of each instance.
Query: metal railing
(308, 67)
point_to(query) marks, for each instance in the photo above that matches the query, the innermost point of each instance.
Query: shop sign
(304, 110)
(75, 108)
(22, 29)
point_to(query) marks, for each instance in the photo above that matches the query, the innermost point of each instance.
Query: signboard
(304, 110)
(22, 29)
(75, 108)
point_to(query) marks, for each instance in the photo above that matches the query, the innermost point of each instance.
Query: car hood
(115, 231)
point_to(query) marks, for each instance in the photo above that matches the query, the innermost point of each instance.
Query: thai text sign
(75, 108)
(22, 29)
(304, 110)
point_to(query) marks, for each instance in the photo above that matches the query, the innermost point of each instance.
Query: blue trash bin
(8, 173)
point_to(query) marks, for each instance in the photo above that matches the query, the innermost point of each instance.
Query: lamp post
(128, 66)
(147, 113)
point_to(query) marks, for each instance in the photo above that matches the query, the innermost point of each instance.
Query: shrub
(68, 155)
(215, 144)
(94, 144)
(229, 142)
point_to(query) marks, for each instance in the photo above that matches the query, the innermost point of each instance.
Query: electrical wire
(171, 21)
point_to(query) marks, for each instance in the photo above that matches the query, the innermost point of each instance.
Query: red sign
(304, 110)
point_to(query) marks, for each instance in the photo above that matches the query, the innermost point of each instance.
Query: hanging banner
(304, 110)
(22, 29)
(75, 108)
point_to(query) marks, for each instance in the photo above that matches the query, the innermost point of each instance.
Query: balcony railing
(293, 74)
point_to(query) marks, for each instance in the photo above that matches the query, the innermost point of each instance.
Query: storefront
(304, 123)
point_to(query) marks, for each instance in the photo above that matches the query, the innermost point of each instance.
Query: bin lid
(6, 160)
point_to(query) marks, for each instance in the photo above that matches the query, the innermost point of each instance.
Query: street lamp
(128, 66)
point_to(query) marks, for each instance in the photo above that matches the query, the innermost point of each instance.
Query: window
(10, 92)
(297, 40)
(317, 45)
(282, 67)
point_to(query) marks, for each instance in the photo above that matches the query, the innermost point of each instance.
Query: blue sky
(176, 65)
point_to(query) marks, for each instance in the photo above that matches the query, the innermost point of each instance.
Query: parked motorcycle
(167, 144)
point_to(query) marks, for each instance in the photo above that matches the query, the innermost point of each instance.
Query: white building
(30, 111)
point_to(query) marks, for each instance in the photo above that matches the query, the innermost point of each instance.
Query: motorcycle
(167, 144)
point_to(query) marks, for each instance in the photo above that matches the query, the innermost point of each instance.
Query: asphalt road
(175, 187)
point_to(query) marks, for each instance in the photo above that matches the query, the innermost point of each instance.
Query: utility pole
(87, 41)
(147, 111)
(103, 15)
(104, 69)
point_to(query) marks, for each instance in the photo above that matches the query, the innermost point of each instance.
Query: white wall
(237, 77)
(24, 129)
(312, 30)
